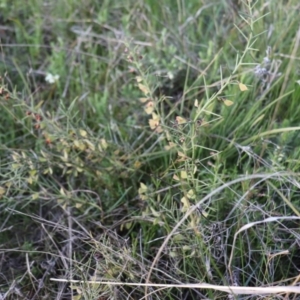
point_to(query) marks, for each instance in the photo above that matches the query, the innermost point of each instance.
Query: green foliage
(148, 142)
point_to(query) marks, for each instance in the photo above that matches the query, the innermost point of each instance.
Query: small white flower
(170, 75)
(51, 78)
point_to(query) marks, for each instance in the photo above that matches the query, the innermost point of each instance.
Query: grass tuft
(149, 150)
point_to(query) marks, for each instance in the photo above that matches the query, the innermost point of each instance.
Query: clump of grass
(149, 156)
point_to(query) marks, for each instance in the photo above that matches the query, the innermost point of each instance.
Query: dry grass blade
(237, 290)
(247, 226)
